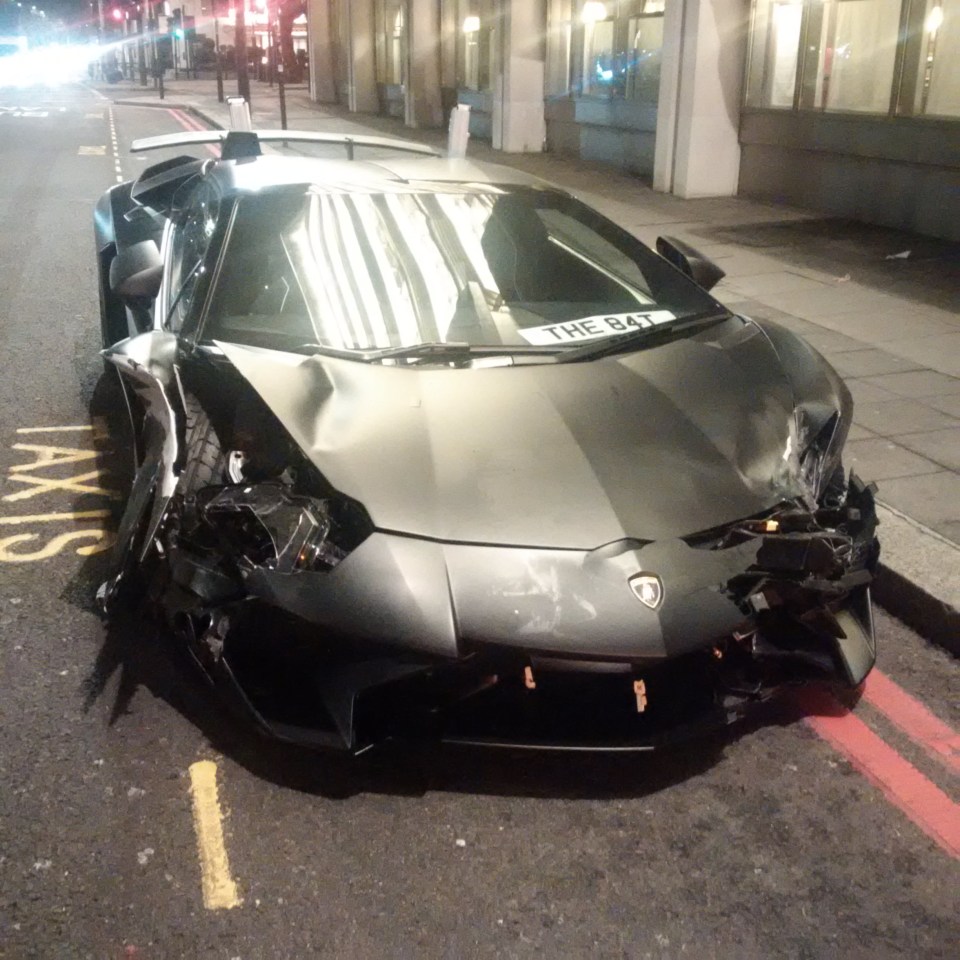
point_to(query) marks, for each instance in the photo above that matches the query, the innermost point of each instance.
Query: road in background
(791, 837)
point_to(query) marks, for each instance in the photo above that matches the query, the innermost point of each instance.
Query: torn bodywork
(425, 447)
(375, 627)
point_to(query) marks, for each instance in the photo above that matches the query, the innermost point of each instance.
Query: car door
(148, 369)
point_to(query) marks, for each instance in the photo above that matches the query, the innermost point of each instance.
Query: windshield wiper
(647, 337)
(430, 350)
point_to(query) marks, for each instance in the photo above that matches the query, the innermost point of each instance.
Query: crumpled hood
(651, 445)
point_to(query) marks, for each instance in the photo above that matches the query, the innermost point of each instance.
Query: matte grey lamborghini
(431, 448)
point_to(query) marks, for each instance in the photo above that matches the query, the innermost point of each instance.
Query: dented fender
(147, 367)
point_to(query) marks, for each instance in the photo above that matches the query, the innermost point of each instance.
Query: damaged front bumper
(405, 637)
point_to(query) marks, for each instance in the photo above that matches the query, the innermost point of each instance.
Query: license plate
(593, 328)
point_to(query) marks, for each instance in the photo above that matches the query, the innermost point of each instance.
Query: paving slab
(932, 499)
(917, 383)
(892, 417)
(868, 363)
(938, 353)
(882, 459)
(949, 405)
(940, 446)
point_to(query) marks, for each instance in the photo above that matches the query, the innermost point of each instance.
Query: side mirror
(136, 271)
(702, 270)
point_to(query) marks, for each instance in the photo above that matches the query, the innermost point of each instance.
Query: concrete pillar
(323, 64)
(357, 42)
(449, 35)
(422, 105)
(518, 121)
(697, 151)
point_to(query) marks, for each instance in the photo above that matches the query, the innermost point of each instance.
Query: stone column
(422, 103)
(323, 84)
(518, 120)
(449, 36)
(357, 42)
(697, 150)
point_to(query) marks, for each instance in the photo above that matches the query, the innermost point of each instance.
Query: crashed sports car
(430, 448)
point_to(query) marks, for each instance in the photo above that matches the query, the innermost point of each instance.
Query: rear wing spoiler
(238, 144)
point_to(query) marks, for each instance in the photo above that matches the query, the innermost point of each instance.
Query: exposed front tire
(204, 460)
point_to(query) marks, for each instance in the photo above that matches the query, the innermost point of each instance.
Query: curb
(205, 117)
(166, 104)
(172, 105)
(913, 554)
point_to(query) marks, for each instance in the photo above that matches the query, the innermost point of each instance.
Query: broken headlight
(267, 525)
(822, 434)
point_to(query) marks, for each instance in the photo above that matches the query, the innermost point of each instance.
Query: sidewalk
(888, 320)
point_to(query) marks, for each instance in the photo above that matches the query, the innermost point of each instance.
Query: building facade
(848, 106)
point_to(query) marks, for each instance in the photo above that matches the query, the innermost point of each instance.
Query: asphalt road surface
(136, 820)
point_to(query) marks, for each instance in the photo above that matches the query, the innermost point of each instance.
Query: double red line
(900, 782)
(191, 123)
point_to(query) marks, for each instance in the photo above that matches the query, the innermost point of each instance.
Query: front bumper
(548, 648)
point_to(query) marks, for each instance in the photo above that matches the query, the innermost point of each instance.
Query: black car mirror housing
(136, 270)
(701, 269)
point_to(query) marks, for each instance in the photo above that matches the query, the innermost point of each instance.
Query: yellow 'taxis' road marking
(219, 888)
(77, 484)
(51, 429)
(53, 517)
(99, 428)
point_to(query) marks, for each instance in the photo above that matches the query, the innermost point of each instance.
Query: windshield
(519, 269)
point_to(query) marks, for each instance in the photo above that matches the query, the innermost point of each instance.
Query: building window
(860, 56)
(646, 36)
(774, 53)
(851, 52)
(390, 41)
(475, 44)
(609, 50)
(938, 76)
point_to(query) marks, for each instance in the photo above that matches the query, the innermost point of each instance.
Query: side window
(192, 233)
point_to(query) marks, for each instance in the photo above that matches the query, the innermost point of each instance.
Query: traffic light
(177, 20)
(117, 14)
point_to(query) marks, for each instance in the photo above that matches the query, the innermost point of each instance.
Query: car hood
(653, 444)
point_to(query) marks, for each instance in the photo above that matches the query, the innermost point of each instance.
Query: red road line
(899, 781)
(185, 120)
(937, 738)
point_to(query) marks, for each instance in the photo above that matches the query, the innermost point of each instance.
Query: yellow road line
(52, 517)
(219, 888)
(50, 429)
